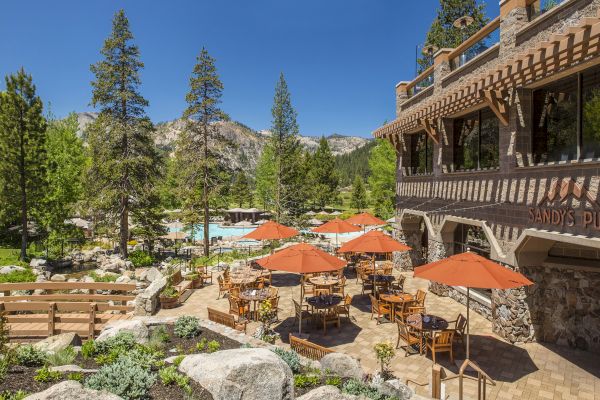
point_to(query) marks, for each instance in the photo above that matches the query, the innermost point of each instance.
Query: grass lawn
(10, 257)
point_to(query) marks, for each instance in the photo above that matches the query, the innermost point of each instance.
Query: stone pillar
(401, 95)
(511, 318)
(513, 16)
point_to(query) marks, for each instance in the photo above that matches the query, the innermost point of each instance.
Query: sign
(564, 216)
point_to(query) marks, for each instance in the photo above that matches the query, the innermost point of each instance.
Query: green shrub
(8, 395)
(169, 375)
(103, 278)
(177, 360)
(124, 378)
(141, 258)
(88, 349)
(304, 381)
(45, 375)
(201, 345)
(107, 358)
(334, 381)
(18, 276)
(144, 356)
(121, 342)
(75, 376)
(384, 352)
(30, 356)
(160, 333)
(62, 357)
(187, 326)
(358, 388)
(290, 357)
(213, 346)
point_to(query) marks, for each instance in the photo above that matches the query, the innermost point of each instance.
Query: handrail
(482, 378)
(428, 71)
(477, 36)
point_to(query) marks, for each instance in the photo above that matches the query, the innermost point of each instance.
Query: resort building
(498, 148)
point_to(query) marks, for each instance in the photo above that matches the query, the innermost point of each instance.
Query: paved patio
(529, 371)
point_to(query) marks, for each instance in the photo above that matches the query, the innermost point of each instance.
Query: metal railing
(539, 7)
(476, 44)
(421, 82)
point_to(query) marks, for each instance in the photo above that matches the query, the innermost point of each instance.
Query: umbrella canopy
(336, 226)
(336, 213)
(310, 213)
(301, 258)
(471, 270)
(315, 222)
(373, 242)
(365, 219)
(175, 236)
(271, 231)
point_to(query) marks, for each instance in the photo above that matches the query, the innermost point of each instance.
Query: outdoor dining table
(324, 303)
(396, 298)
(254, 296)
(325, 281)
(243, 278)
(425, 323)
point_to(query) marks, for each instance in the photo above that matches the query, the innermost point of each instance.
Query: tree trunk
(124, 228)
(205, 195)
(23, 187)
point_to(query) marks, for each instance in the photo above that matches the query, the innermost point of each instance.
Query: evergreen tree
(265, 178)
(22, 145)
(382, 181)
(322, 177)
(201, 143)
(169, 186)
(443, 34)
(359, 199)
(354, 163)
(66, 163)
(288, 192)
(125, 163)
(241, 190)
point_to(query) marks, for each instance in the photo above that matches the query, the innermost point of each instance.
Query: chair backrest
(176, 278)
(234, 291)
(402, 329)
(297, 308)
(233, 306)
(273, 291)
(274, 302)
(461, 323)
(374, 301)
(443, 337)
(420, 297)
(348, 300)
(321, 291)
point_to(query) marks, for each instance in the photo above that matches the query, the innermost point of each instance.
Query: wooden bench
(226, 319)
(179, 283)
(308, 349)
(59, 311)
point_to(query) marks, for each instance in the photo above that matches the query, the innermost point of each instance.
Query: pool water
(217, 230)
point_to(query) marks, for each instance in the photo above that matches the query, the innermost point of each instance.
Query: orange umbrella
(336, 226)
(301, 258)
(365, 219)
(373, 242)
(471, 271)
(271, 231)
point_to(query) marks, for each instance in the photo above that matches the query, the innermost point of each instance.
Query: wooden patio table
(425, 323)
(394, 299)
(254, 296)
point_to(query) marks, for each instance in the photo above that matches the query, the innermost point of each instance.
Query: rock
(10, 268)
(58, 342)
(342, 365)
(151, 275)
(37, 263)
(326, 393)
(147, 301)
(87, 279)
(129, 265)
(58, 278)
(123, 279)
(395, 388)
(241, 374)
(72, 390)
(137, 327)
(72, 368)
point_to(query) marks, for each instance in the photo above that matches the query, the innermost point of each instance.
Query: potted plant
(196, 280)
(169, 297)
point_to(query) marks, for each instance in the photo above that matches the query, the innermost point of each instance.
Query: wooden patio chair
(238, 307)
(328, 316)
(339, 288)
(398, 284)
(322, 291)
(273, 291)
(344, 308)
(234, 291)
(406, 335)
(420, 298)
(224, 287)
(440, 342)
(460, 326)
(301, 313)
(379, 308)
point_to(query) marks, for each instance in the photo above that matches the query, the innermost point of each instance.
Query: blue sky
(341, 58)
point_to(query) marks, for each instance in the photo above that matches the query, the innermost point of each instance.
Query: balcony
(538, 7)
(486, 38)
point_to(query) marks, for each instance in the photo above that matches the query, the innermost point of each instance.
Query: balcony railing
(421, 82)
(539, 7)
(485, 38)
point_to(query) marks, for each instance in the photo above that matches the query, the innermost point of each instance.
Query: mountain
(248, 143)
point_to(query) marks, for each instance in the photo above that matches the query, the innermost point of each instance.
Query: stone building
(498, 148)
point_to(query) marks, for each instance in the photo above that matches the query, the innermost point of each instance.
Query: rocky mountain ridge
(248, 142)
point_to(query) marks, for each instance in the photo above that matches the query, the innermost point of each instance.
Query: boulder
(151, 275)
(37, 263)
(326, 392)
(241, 374)
(87, 279)
(395, 388)
(342, 365)
(10, 268)
(58, 278)
(137, 327)
(72, 390)
(123, 279)
(147, 301)
(58, 342)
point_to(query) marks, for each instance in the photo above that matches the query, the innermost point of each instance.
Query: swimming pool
(217, 230)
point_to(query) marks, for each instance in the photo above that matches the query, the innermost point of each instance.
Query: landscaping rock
(58, 278)
(138, 328)
(123, 279)
(342, 365)
(59, 342)
(151, 275)
(72, 368)
(37, 263)
(328, 393)
(395, 388)
(10, 268)
(72, 390)
(241, 374)
(147, 301)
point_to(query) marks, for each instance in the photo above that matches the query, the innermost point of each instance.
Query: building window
(421, 154)
(476, 141)
(566, 119)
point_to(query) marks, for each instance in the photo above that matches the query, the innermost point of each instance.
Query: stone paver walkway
(529, 371)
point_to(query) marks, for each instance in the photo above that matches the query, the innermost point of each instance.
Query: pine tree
(322, 177)
(22, 145)
(201, 143)
(66, 162)
(359, 199)
(265, 177)
(125, 162)
(241, 191)
(288, 193)
(382, 181)
(443, 34)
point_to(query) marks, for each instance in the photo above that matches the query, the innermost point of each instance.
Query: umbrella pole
(468, 298)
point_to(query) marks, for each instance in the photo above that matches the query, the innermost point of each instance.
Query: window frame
(478, 114)
(428, 145)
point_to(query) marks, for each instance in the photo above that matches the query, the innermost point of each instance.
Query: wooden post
(51, 316)
(92, 321)
(436, 381)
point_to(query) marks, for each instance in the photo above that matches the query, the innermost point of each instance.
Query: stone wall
(510, 315)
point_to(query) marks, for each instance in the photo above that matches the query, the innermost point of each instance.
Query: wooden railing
(308, 349)
(60, 311)
(414, 86)
(472, 41)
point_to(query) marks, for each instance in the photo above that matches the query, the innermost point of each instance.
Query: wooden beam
(431, 130)
(495, 100)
